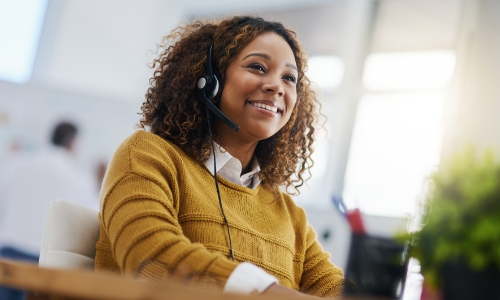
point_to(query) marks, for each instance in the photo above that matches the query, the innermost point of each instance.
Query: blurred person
(193, 197)
(28, 184)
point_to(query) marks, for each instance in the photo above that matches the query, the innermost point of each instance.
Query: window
(325, 71)
(397, 133)
(20, 27)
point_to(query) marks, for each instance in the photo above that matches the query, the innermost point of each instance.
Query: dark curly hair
(173, 111)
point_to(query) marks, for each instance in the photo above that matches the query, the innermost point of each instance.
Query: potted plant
(459, 244)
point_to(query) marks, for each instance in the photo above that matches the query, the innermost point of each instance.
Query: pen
(353, 216)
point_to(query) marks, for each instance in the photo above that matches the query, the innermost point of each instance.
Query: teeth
(270, 108)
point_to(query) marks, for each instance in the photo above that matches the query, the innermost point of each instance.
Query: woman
(163, 214)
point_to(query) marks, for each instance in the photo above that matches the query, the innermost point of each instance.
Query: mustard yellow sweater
(160, 217)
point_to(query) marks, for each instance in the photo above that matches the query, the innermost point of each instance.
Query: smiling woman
(179, 67)
(161, 215)
(260, 94)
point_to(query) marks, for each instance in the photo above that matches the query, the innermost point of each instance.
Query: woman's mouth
(270, 108)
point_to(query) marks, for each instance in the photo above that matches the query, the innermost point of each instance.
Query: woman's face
(260, 88)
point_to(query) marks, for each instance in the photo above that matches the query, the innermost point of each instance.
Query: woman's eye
(257, 67)
(290, 78)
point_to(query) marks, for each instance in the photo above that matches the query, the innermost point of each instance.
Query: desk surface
(83, 284)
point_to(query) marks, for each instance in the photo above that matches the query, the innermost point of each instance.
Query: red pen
(355, 221)
(353, 216)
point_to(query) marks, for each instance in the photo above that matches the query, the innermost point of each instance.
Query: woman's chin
(262, 135)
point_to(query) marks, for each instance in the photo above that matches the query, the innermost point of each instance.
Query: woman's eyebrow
(291, 66)
(263, 55)
(267, 57)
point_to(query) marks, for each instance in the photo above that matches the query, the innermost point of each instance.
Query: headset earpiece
(208, 82)
(202, 82)
(216, 88)
(207, 87)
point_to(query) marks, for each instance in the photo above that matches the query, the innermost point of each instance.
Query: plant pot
(461, 282)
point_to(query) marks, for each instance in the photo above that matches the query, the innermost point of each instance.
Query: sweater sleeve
(320, 276)
(147, 240)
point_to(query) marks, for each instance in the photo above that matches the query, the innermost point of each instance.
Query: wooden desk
(81, 284)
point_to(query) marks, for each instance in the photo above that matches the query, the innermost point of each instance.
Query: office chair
(69, 236)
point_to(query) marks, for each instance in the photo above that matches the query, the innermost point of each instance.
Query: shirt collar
(230, 168)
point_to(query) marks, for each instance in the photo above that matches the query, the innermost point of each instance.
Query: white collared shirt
(246, 278)
(230, 168)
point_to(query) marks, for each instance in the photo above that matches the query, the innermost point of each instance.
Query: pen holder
(377, 266)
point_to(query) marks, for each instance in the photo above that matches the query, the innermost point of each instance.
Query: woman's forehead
(269, 45)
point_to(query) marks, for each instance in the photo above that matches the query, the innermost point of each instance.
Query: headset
(208, 84)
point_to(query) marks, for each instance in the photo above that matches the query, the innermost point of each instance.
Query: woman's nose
(274, 86)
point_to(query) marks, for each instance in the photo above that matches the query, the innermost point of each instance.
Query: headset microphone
(209, 84)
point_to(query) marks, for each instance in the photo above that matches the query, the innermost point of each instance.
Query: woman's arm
(147, 239)
(320, 276)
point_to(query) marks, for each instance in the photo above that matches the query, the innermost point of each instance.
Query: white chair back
(69, 237)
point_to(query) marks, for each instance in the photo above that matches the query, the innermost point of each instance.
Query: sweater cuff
(222, 269)
(248, 278)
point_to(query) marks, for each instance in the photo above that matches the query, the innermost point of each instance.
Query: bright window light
(325, 71)
(20, 27)
(395, 145)
(408, 70)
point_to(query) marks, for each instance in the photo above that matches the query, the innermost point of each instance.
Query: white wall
(473, 115)
(102, 48)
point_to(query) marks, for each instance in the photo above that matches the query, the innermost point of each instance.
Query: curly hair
(172, 110)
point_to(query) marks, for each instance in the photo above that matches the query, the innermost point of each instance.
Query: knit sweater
(160, 217)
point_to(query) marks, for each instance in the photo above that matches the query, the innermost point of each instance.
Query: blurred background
(403, 83)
